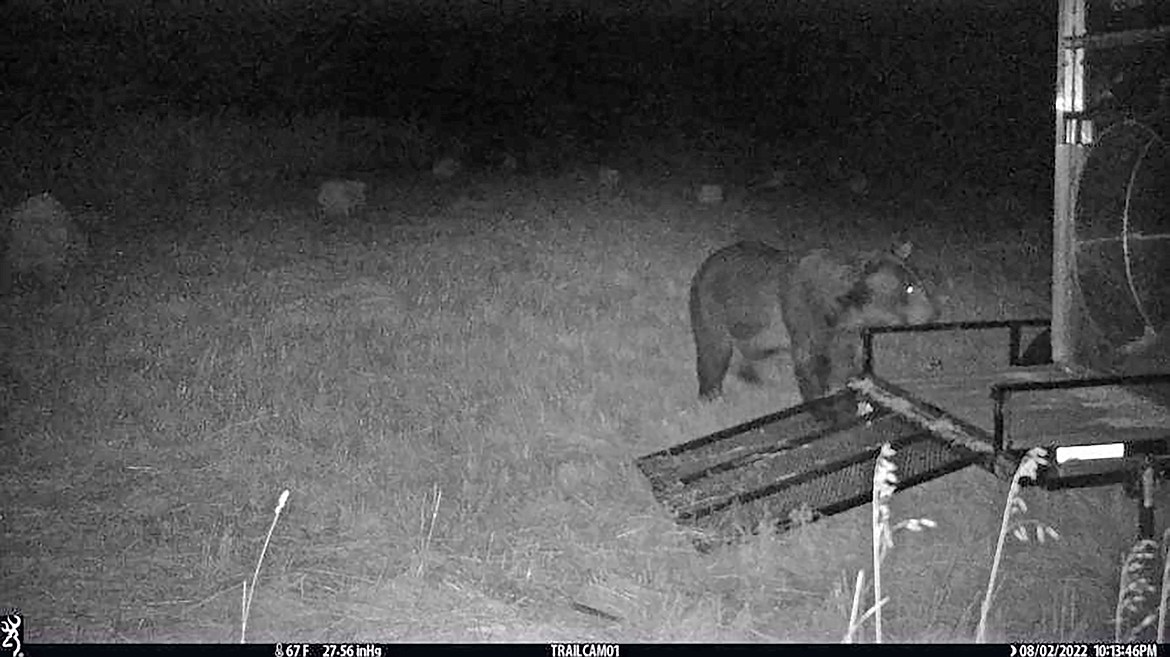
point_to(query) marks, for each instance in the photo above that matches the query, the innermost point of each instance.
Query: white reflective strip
(1090, 452)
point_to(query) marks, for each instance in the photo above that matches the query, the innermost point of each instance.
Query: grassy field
(453, 386)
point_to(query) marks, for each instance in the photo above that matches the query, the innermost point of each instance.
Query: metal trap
(793, 467)
(796, 466)
(1095, 430)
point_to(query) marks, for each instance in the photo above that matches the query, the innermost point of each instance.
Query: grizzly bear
(757, 300)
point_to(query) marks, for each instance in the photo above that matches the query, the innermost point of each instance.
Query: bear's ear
(903, 250)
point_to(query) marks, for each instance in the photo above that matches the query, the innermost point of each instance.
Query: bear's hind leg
(714, 359)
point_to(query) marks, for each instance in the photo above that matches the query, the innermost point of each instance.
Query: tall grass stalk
(855, 609)
(855, 621)
(1014, 505)
(250, 591)
(885, 481)
(1135, 592)
(1164, 597)
(424, 547)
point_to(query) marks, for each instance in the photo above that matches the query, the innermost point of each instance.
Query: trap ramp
(790, 467)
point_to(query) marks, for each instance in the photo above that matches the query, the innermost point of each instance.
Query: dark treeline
(903, 74)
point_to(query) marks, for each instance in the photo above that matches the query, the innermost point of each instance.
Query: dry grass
(453, 387)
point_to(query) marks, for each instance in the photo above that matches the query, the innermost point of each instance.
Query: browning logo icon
(12, 632)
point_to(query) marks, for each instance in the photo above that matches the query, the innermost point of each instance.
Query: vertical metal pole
(999, 429)
(1071, 131)
(1146, 505)
(867, 350)
(1014, 345)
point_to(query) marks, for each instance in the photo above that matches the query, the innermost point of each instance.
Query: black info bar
(588, 649)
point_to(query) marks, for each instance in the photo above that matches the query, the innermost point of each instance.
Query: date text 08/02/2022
(1084, 650)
